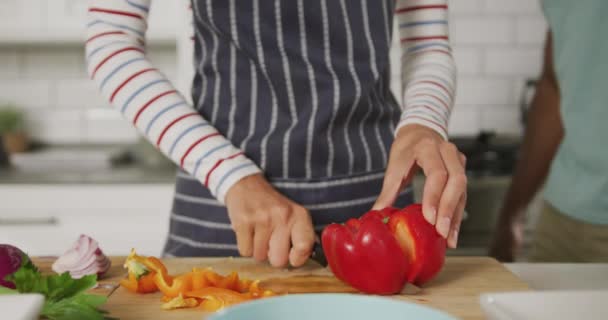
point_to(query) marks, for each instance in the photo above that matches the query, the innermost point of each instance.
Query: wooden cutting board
(105, 286)
(456, 290)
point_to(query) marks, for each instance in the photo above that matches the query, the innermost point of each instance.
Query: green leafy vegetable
(5, 290)
(82, 306)
(65, 297)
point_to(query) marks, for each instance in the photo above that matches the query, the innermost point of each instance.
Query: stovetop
(489, 153)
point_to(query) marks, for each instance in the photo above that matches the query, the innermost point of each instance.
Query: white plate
(329, 306)
(546, 305)
(21, 306)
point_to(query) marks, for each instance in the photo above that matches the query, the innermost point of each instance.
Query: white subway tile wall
(484, 91)
(49, 81)
(497, 46)
(482, 30)
(505, 38)
(518, 61)
(22, 14)
(52, 63)
(468, 59)
(9, 64)
(466, 6)
(511, 6)
(29, 94)
(530, 30)
(57, 125)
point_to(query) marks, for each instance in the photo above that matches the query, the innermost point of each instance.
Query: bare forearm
(542, 138)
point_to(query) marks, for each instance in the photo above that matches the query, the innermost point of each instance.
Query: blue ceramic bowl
(329, 306)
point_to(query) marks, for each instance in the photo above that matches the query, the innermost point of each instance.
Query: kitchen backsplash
(497, 45)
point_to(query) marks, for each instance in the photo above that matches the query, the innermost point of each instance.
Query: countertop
(119, 175)
(456, 289)
(562, 276)
(89, 164)
(464, 274)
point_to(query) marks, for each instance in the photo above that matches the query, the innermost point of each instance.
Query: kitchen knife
(318, 284)
(317, 252)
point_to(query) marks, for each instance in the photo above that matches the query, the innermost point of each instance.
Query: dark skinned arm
(544, 133)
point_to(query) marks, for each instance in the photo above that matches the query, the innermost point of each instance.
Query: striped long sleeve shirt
(117, 62)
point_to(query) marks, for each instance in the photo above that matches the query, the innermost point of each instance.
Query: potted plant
(12, 129)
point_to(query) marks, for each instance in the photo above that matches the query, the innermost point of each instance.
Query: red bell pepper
(381, 251)
(365, 254)
(421, 242)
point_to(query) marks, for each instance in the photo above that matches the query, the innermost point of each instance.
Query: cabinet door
(46, 220)
(116, 232)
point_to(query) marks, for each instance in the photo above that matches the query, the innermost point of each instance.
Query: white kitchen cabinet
(47, 219)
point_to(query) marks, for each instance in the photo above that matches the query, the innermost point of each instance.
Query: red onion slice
(83, 258)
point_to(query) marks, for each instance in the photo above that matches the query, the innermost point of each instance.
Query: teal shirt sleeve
(578, 181)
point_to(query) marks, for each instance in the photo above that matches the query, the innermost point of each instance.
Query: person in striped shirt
(293, 125)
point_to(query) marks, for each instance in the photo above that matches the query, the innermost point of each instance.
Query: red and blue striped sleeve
(117, 62)
(429, 71)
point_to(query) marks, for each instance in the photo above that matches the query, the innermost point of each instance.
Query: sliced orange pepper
(243, 285)
(180, 302)
(141, 272)
(130, 283)
(172, 287)
(211, 304)
(254, 288)
(217, 280)
(145, 284)
(214, 278)
(204, 287)
(135, 264)
(231, 282)
(225, 294)
(199, 278)
(154, 264)
(268, 293)
(216, 298)
(256, 292)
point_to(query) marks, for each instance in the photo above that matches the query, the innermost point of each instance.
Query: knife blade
(317, 251)
(318, 255)
(319, 284)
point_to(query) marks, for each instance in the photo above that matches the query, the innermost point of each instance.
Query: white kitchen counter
(562, 276)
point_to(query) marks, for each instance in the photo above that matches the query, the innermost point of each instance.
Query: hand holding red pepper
(444, 196)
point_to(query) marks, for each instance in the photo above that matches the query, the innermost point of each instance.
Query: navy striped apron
(303, 88)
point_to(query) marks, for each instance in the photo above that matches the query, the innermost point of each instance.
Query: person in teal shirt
(565, 143)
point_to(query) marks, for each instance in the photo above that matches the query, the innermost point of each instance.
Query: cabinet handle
(31, 221)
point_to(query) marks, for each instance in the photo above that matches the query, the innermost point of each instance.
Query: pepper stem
(134, 265)
(137, 268)
(385, 220)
